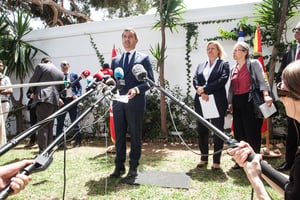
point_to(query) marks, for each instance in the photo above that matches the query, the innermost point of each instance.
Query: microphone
(96, 78)
(89, 79)
(110, 82)
(107, 71)
(108, 87)
(119, 75)
(83, 75)
(139, 72)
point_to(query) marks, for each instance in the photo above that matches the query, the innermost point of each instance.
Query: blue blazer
(77, 88)
(138, 103)
(215, 85)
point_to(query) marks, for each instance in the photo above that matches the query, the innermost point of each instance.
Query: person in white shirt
(4, 96)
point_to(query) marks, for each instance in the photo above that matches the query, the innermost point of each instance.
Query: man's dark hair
(106, 66)
(45, 60)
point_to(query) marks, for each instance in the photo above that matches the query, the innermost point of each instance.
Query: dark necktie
(65, 77)
(126, 61)
(298, 54)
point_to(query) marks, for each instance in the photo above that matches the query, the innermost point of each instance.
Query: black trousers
(203, 134)
(292, 141)
(45, 134)
(245, 125)
(127, 120)
(33, 121)
(73, 114)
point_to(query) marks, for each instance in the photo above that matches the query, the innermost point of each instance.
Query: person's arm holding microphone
(9, 175)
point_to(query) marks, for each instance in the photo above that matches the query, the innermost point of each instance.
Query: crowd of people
(209, 82)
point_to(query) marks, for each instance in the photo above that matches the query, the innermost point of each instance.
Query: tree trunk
(163, 115)
(274, 57)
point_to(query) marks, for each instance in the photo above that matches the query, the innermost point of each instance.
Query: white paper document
(121, 98)
(209, 108)
(266, 110)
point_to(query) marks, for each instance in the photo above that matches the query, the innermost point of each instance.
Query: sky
(194, 4)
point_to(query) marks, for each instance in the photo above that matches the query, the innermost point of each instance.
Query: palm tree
(17, 55)
(170, 13)
(272, 16)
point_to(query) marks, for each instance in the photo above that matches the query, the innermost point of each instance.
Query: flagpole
(112, 148)
(266, 124)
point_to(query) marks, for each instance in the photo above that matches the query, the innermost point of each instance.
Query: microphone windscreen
(98, 76)
(119, 73)
(85, 73)
(110, 82)
(139, 72)
(107, 71)
(89, 79)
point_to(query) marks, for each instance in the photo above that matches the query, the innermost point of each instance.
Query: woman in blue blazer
(210, 79)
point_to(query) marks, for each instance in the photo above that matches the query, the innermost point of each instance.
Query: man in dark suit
(45, 99)
(67, 97)
(32, 114)
(292, 136)
(129, 116)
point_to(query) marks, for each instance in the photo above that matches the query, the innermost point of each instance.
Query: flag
(114, 52)
(111, 116)
(111, 124)
(241, 35)
(258, 54)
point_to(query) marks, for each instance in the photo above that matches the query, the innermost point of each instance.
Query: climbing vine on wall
(191, 34)
(99, 55)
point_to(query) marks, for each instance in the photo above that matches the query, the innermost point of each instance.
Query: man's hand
(131, 93)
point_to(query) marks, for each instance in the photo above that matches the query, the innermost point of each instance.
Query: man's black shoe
(76, 145)
(132, 173)
(284, 167)
(117, 172)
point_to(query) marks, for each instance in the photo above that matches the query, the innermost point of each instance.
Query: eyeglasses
(294, 29)
(235, 50)
(284, 93)
(63, 64)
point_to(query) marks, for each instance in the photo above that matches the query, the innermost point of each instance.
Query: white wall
(72, 42)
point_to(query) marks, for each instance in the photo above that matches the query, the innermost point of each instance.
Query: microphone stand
(43, 160)
(34, 84)
(16, 140)
(267, 170)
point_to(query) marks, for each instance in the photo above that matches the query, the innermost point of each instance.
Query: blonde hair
(219, 48)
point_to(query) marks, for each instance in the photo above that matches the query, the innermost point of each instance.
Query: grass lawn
(88, 168)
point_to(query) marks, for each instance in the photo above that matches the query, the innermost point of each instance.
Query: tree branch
(56, 7)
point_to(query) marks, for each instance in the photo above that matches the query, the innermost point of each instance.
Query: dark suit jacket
(287, 58)
(48, 94)
(215, 85)
(138, 103)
